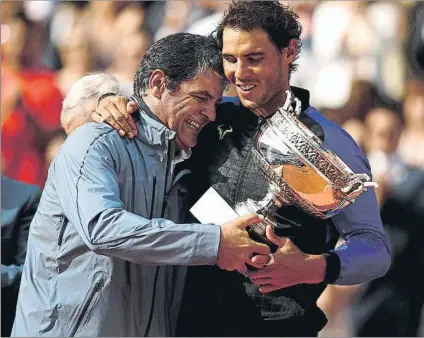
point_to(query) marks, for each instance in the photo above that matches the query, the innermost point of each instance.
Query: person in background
(81, 100)
(19, 203)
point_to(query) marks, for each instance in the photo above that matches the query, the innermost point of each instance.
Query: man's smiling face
(187, 110)
(256, 67)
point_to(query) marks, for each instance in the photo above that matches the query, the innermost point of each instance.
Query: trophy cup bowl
(301, 170)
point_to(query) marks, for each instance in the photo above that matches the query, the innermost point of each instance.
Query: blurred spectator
(19, 202)
(74, 48)
(30, 107)
(132, 41)
(415, 41)
(207, 24)
(355, 129)
(382, 128)
(412, 137)
(397, 298)
(174, 19)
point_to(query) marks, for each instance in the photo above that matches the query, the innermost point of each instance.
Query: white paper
(211, 208)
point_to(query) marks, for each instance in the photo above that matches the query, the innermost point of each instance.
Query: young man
(108, 218)
(260, 41)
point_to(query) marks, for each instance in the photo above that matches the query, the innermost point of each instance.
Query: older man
(81, 100)
(106, 234)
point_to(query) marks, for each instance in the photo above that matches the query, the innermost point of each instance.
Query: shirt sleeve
(88, 188)
(365, 254)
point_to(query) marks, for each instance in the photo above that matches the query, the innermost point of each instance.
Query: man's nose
(210, 113)
(241, 70)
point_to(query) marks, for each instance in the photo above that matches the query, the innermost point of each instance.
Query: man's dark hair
(278, 21)
(182, 57)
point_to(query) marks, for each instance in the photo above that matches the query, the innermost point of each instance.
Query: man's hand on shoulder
(116, 111)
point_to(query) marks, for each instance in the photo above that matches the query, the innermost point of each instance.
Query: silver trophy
(301, 170)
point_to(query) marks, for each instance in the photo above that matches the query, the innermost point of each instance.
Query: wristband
(332, 270)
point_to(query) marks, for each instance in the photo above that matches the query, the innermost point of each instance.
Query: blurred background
(363, 62)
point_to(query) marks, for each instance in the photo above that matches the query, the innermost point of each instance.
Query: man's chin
(184, 145)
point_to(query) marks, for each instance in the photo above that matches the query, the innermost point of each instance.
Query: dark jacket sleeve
(20, 208)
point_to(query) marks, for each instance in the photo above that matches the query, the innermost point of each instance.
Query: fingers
(258, 248)
(121, 116)
(96, 117)
(256, 265)
(259, 261)
(270, 234)
(113, 110)
(106, 116)
(132, 107)
(244, 221)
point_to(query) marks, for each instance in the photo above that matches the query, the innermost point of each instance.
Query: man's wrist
(315, 269)
(333, 266)
(104, 96)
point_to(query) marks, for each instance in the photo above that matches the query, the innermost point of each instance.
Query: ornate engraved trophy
(301, 170)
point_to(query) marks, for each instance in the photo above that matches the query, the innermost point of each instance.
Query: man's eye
(230, 59)
(200, 98)
(254, 60)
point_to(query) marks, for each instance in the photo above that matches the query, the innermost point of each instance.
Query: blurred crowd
(363, 62)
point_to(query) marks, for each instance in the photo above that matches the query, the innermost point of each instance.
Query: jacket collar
(303, 95)
(149, 127)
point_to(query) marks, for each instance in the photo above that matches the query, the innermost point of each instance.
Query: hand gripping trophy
(301, 170)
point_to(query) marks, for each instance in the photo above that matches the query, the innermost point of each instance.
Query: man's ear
(157, 83)
(290, 52)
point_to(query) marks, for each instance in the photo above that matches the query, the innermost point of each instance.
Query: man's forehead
(254, 40)
(209, 84)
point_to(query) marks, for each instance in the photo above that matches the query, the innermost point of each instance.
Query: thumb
(244, 221)
(270, 234)
(131, 107)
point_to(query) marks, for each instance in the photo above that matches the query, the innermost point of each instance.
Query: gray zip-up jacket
(102, 252)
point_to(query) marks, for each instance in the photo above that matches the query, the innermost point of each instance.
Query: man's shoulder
(229, 109)
(92, 131)
(90, 135)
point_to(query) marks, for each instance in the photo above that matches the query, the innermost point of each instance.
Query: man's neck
(272, 105)
(152, 109)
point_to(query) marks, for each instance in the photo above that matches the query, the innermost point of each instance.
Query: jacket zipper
(95, 288)
(63, 225)
(155, 281)
(153, 197)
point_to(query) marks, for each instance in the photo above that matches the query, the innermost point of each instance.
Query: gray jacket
(102, 247)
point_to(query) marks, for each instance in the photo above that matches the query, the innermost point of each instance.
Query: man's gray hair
(81, 99)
